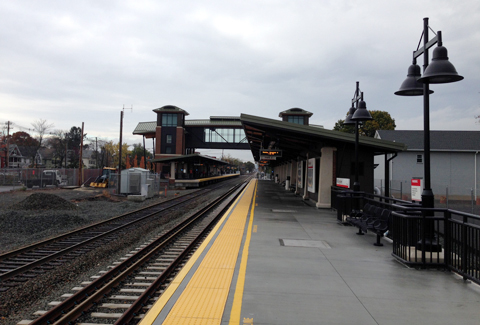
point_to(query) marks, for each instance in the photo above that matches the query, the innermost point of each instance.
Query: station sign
(343, 182)
(268, 158)
(271, 153)
(416, 191)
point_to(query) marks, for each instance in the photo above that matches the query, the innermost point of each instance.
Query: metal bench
(373, 218)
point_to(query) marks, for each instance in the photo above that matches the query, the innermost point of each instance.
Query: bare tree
(41, 127)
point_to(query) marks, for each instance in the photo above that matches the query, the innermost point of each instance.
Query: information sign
(343, 182)
(271, 153)
(417, 185)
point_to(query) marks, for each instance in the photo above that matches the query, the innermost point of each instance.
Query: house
(88, 158)
(15, 157)
(453, 162)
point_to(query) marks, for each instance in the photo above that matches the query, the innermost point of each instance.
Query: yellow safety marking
(157, 308)
(238, 296)
(255, 228)
(204, 298)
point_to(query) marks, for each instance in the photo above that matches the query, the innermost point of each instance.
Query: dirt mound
(44, 201)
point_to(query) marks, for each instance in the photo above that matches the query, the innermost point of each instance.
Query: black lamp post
(439, 71)
(356, 114)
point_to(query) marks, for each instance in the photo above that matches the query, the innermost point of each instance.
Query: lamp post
(356, 114)
(439, 71)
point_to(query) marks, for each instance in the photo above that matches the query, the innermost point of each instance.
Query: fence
(426, 238)
(461, 198)
(417, 235)
(30, 177)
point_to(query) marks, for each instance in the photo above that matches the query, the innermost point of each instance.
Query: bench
(372, 218)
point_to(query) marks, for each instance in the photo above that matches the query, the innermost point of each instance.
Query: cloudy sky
(70, 62)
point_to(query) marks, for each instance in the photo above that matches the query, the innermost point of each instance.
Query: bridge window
(169, 119)
(224, 135)
(296, 119)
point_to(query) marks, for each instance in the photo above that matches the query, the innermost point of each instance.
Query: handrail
(457, 232)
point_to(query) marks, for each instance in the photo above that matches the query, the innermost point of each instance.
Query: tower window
(296, 119)
(169, 119)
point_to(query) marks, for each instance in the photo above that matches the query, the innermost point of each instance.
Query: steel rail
(141, 302)
(56, 255)
(74, 306)
(80, 230)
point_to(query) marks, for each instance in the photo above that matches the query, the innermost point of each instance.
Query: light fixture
(361, 113)
(410, 86)
(440, 71)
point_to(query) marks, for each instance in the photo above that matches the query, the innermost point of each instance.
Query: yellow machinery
(104, 180)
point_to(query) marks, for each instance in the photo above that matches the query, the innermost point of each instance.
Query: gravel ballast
(29, 216)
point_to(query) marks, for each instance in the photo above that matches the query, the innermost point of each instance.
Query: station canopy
(275, 142)
(191, 159)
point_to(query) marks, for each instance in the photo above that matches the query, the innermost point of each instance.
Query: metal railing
(418, 233)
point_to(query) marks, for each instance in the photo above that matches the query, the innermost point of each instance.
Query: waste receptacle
(344, 206)
(287, 183)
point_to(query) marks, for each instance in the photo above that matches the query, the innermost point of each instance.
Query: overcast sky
(70, 62)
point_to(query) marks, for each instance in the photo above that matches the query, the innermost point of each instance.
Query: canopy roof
(295, 140)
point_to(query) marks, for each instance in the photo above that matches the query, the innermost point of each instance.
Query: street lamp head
(348, 119)
(440, 71)
(410, 86)
(361, 113)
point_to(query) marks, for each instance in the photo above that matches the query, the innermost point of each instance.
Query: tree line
(64, 147)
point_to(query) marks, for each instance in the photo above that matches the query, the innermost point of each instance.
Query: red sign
(416, 182)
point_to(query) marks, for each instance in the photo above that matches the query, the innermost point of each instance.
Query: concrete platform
(297, 265)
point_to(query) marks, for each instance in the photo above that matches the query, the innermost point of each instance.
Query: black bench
(373, 218)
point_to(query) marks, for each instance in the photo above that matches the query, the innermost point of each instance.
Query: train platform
(276, 259)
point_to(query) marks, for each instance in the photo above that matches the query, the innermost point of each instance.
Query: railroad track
(126, 291)
(21, 265)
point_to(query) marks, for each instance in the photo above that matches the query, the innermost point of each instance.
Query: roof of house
(439, 140)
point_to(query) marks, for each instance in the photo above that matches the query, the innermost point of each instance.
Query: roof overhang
(297, 140)
(193, 158)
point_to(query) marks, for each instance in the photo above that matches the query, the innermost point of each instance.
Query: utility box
(137, 181)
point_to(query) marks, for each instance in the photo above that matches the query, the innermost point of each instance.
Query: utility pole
(8, 144)
(80, 163)
(120, 149)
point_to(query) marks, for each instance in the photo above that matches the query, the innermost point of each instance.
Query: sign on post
(343, 182)
(416, 191)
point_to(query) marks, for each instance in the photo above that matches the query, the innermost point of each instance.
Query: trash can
(344, 206)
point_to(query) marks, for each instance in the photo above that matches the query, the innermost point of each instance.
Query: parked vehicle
(50, 177)
(105, 180)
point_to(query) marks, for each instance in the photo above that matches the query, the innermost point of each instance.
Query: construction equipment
(105, 180)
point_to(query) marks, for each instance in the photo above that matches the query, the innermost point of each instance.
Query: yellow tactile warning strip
(238, 295)
(203, 300)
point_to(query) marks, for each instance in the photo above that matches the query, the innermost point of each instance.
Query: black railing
(418, 234)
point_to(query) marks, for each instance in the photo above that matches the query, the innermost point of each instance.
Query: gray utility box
(137, 181)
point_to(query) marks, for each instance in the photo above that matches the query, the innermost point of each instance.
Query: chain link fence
(460, 198)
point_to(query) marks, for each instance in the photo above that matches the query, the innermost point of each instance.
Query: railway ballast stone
(44, 201)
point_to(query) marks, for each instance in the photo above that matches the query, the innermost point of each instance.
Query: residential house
(88, 158)
(15, 157)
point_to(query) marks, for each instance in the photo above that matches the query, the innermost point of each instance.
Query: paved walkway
(302, 267)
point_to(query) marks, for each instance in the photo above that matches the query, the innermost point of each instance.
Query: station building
(308, 158)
